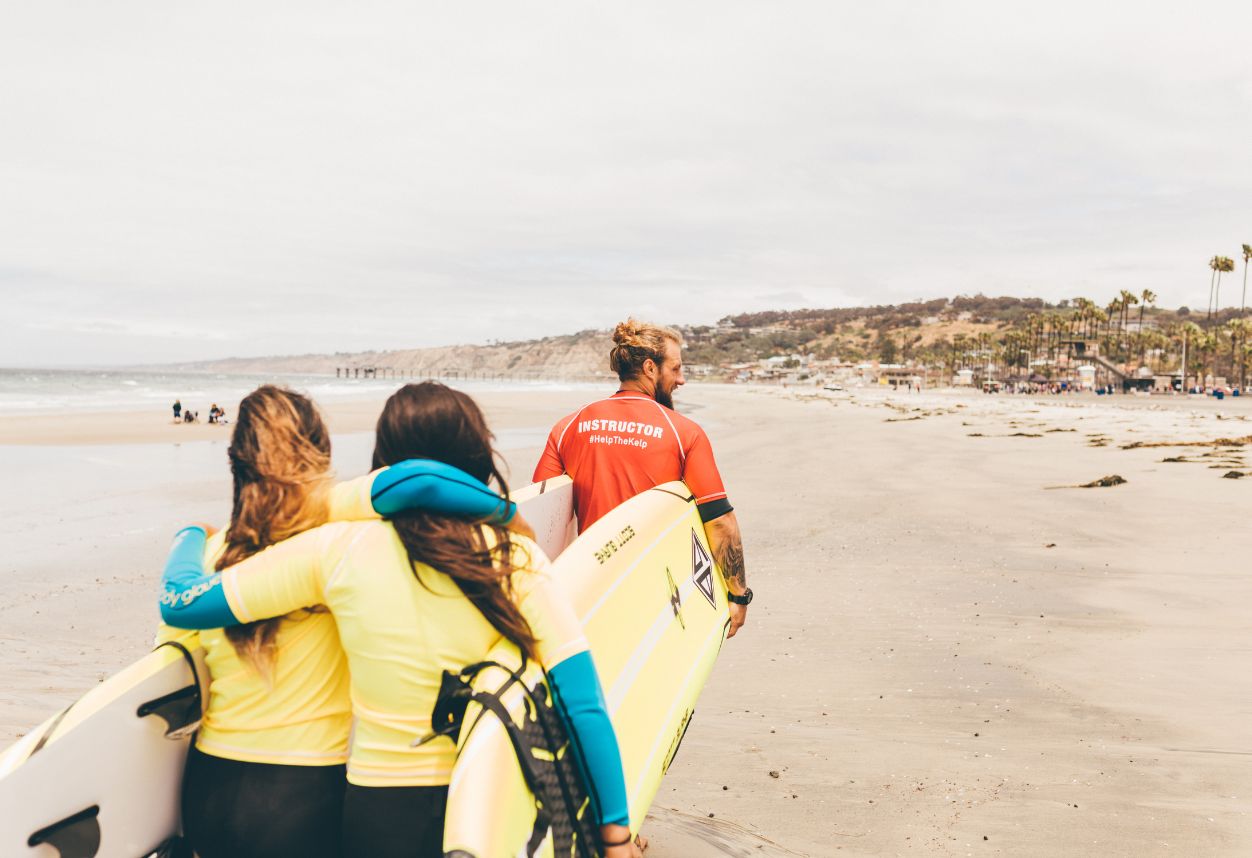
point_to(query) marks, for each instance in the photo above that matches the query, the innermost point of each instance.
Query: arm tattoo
(729, 554)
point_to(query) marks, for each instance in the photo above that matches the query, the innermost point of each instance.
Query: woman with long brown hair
(265, 775)
(414, 597)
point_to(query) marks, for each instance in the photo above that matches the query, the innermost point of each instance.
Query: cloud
(295, 178)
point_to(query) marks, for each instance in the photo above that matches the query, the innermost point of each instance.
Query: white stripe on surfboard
(643, 652)
(647, 766)
(585, 618)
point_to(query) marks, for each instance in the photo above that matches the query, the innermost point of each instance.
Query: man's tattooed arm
(723, 533)
(727, 545)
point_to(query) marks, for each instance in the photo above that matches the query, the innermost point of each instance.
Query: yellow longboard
(643, 581)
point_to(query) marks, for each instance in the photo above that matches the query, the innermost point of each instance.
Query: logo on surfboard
(675, 599)
(702, 569)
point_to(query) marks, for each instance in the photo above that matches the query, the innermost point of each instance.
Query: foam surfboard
(548, 507)
(102, 778)
(643, 581)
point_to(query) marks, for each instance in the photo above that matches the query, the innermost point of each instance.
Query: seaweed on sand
(1219, 442)
(1104, 482)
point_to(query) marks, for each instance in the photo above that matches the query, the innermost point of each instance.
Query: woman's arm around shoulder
(419, 484)
(276, 581)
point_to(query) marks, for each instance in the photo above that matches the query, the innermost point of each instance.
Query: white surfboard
(102, 778)
(548, 507)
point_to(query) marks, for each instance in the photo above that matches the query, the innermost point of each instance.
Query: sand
(948, 655)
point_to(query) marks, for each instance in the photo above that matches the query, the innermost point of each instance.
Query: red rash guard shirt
(618, 447)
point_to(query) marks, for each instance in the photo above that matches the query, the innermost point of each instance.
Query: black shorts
(393, 822)
(233, 809)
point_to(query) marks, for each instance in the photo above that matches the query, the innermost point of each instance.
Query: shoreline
(343, 415)
(357, 412)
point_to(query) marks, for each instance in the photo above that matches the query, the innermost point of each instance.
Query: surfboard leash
(570, 832)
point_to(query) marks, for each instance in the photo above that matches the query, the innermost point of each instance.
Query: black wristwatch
(745, 599)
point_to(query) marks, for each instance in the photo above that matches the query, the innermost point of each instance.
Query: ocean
(45, 391)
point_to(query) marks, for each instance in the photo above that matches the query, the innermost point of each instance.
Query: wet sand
(947, 655)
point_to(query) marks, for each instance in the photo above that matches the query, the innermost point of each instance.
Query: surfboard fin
(180, 710)
(76, 836)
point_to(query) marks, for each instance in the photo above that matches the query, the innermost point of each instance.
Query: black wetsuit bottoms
(393, 822)
(233, 809)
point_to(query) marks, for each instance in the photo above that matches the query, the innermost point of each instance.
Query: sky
(190, 181)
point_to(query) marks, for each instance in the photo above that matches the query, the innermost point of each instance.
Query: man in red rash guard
(616, 448)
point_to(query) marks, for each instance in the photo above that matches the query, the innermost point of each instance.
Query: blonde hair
(280, 460)
(635, 342)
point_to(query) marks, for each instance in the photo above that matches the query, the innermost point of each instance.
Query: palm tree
(1129, 299)
(1085, 306)
(1220, 265)
(1156, 342)
(1206, 343)
(1034, 326)
(1190, 333)
(1239, 330)
(1214, 264)
(1247, 255)
(1148, 297)
(1114, 310)
(1098, 318)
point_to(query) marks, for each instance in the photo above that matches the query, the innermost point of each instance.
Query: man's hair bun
(628, 333)
(636, 342)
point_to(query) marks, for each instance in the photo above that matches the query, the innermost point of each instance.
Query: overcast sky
(184, 181)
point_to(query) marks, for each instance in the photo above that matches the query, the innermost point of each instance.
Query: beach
(953, 649)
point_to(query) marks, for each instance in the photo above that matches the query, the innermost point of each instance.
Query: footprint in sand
(675, 834)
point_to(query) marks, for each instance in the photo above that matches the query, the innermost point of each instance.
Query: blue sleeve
(430, 485)
(191, 599)
(576, 689)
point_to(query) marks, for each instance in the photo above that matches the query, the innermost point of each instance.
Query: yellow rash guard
(301, 715)
(400, 633)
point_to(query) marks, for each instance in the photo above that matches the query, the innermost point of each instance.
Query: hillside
(567, 356)
(936, 333)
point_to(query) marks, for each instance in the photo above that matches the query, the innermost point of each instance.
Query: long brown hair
(280, 461)
(433, 421)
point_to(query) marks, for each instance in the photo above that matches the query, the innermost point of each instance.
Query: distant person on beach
(178, 407)
(615, 448)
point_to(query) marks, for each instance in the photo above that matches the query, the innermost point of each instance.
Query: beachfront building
(897, 376)
(1086, 377)
(891, 375)
(699, 370)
